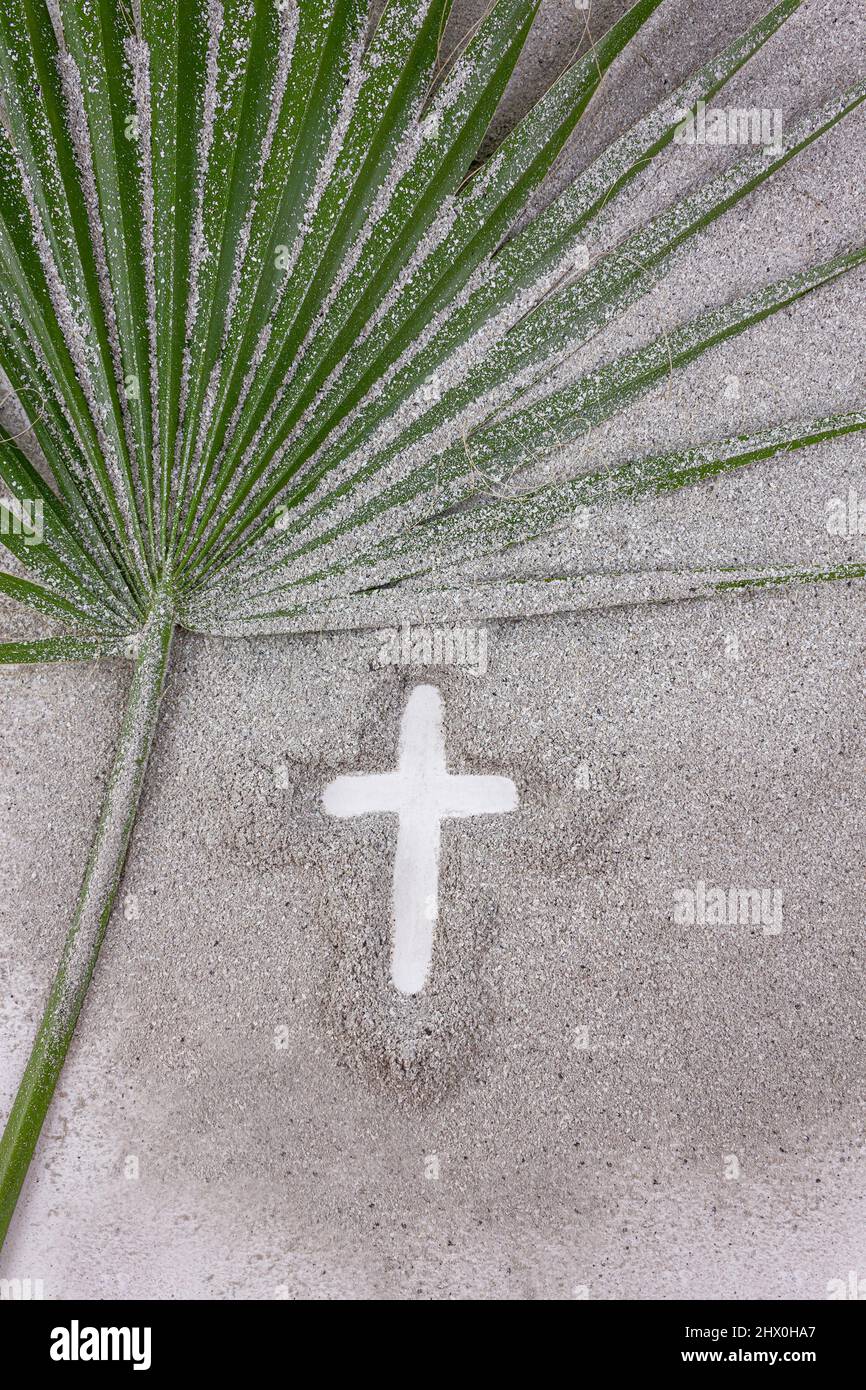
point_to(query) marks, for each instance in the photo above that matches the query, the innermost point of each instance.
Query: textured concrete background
(722, 742)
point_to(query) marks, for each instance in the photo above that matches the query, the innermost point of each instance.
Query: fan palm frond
(280, 338)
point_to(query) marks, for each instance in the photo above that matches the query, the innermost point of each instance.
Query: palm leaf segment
(267, 323)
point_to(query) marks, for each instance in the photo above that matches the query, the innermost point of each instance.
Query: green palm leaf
(280, 334)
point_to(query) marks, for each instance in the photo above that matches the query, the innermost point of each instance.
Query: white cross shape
(422, 793)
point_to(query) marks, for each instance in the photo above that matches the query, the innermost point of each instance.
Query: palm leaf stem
(93, 909)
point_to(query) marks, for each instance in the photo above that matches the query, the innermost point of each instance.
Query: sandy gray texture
(723, 742)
